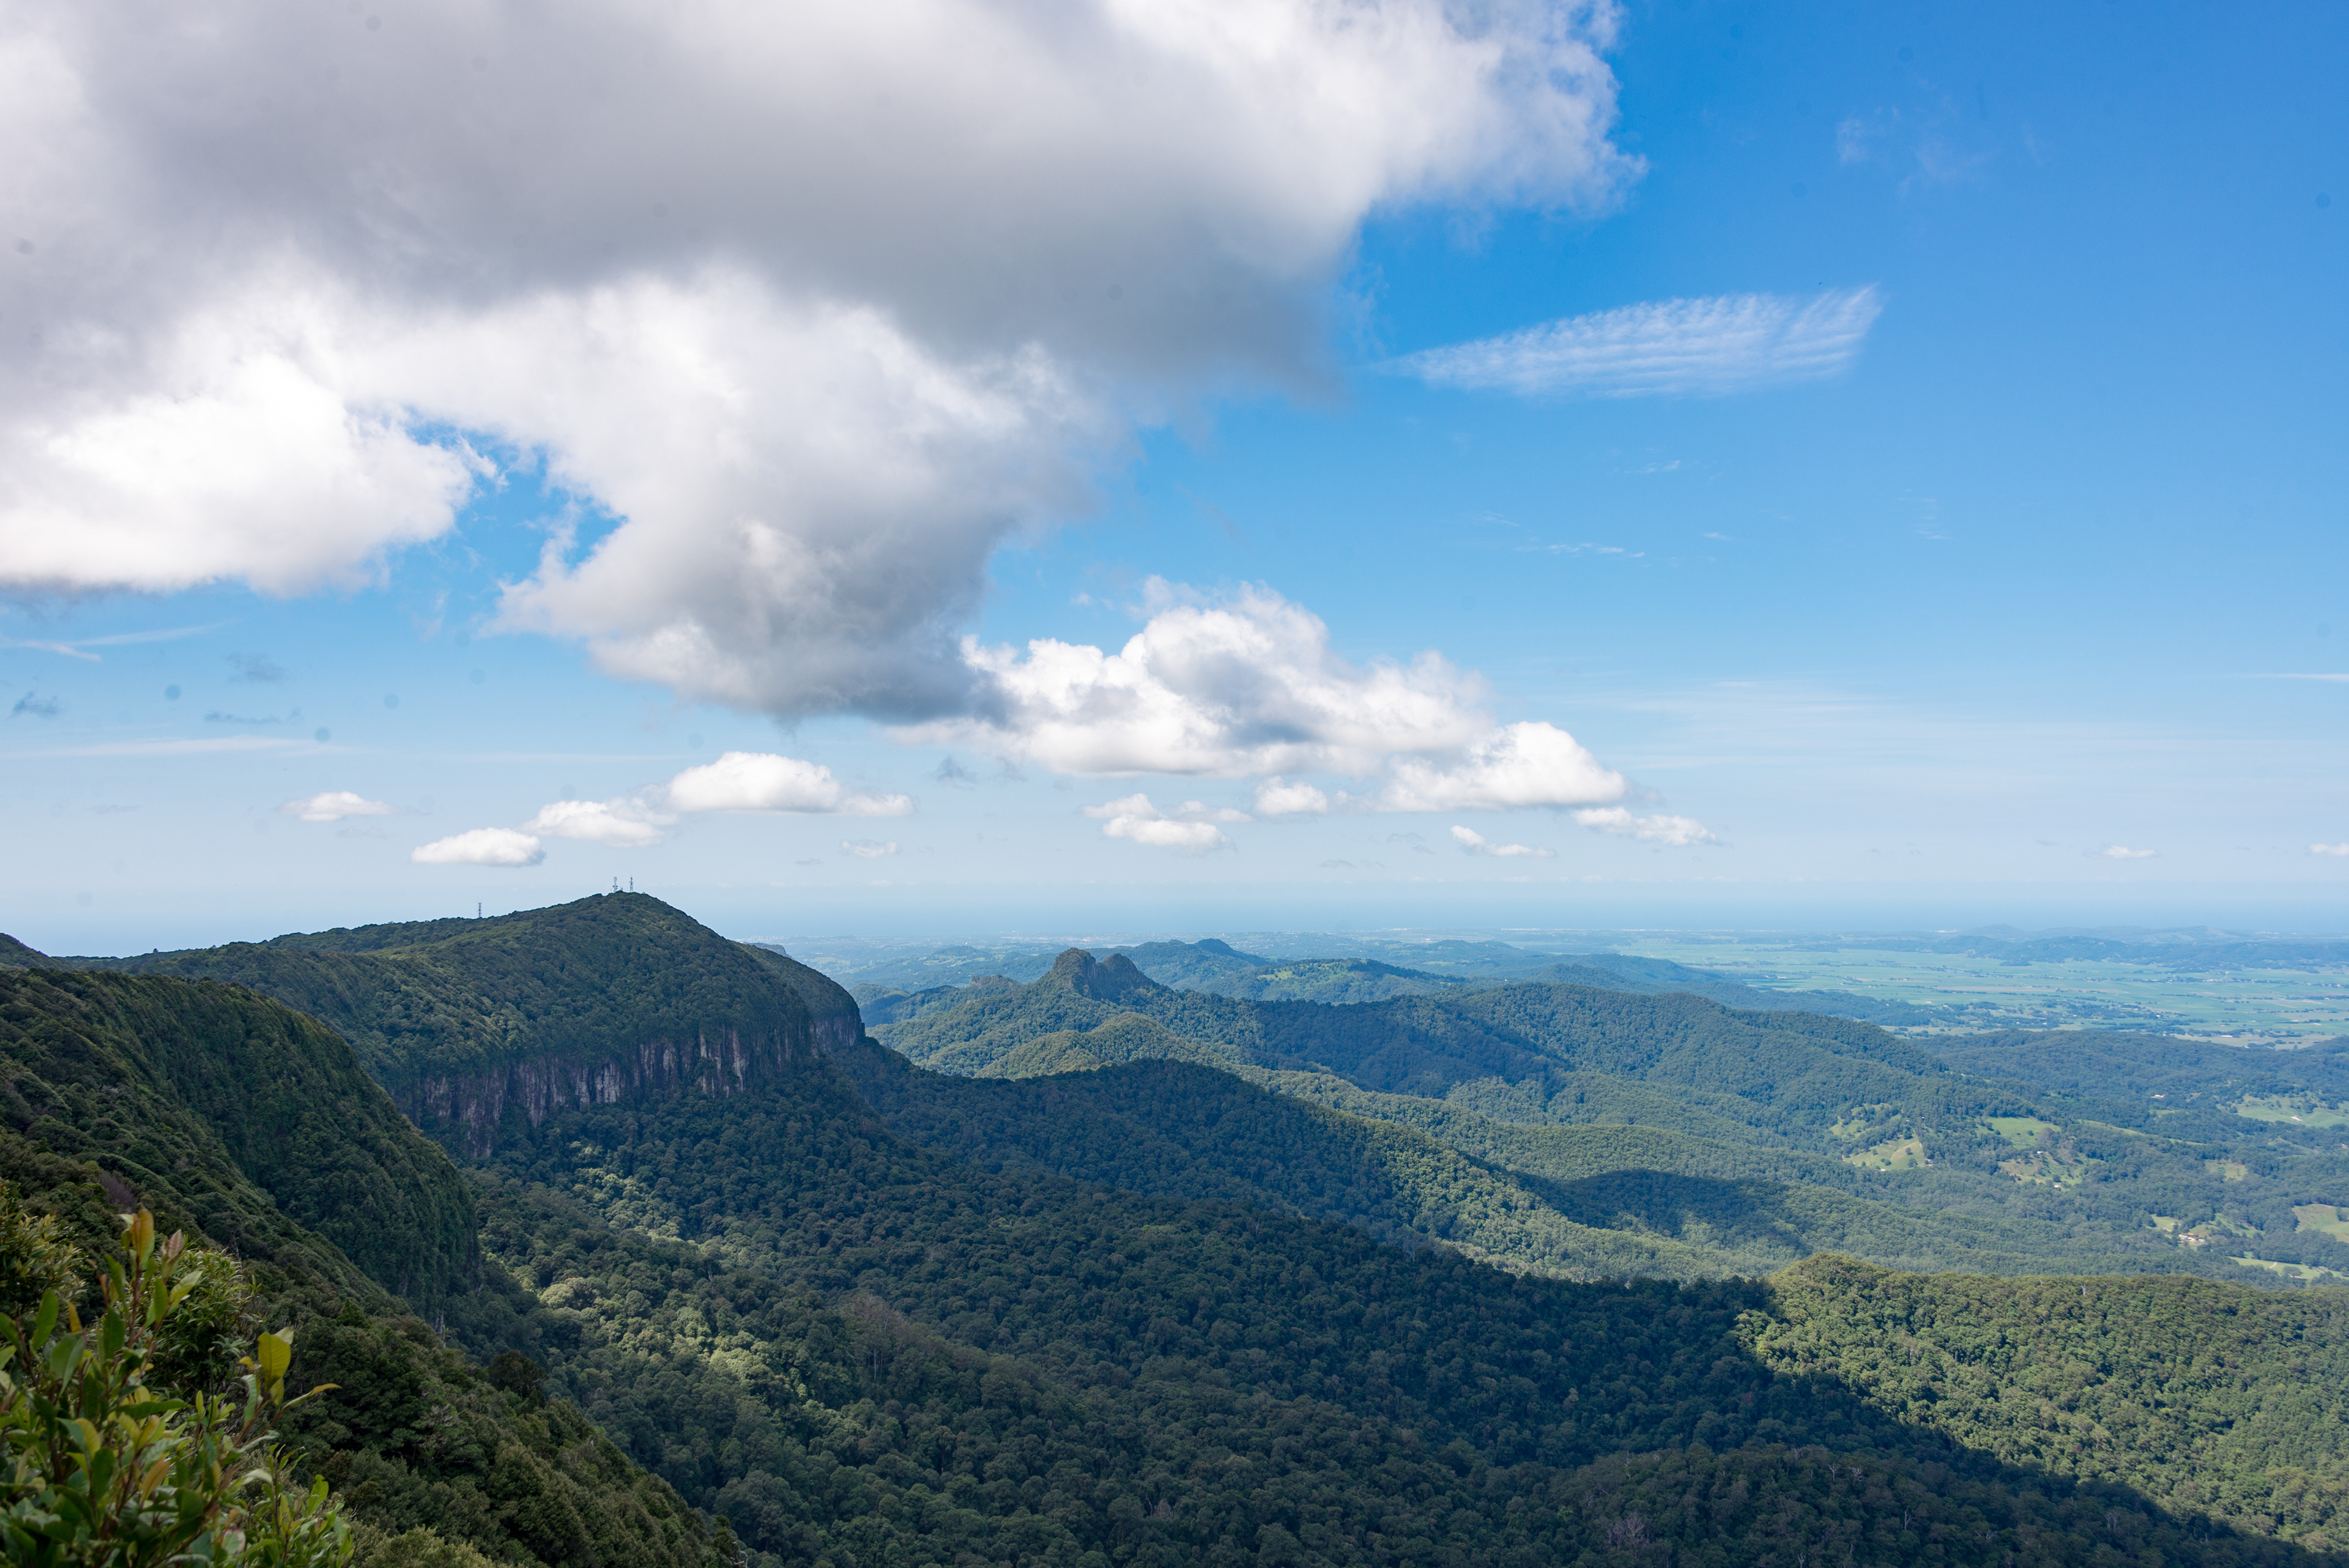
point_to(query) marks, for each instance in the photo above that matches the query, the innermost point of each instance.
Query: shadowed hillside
(1157, 1312)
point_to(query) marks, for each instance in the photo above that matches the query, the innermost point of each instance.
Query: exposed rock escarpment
(470, 1109)
(482, 1029)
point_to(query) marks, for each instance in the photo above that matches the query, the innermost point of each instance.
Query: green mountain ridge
(1215, 967)
(1946, 1188)
(474, 1025)
(1230, 1311)
(252, 1127)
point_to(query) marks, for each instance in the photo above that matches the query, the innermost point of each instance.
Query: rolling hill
(1903, 1157)
(1231, 1309)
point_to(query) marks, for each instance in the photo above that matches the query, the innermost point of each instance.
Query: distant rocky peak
(1080, 972)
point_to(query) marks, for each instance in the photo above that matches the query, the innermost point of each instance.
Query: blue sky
(2018, 603)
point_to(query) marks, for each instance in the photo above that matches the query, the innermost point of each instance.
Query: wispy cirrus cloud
(1685, 348)
(79, 647)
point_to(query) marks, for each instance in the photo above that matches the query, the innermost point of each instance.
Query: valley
(712, 1262)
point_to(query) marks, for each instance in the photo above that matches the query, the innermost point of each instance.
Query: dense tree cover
(1491, 1071)
(858, 1351)
(1626, 972)
(1197, 966)
(242, 1124)
(2126, 1070)
(1126, 1037)
(414, 1438)
(1747, 1206)
(582, 982)
(236, 1118)
(831, 1010)
(1802, 1064)
(1217, 967)
(1179, 1130)
(2204, 1397)
(1100, 1321)
(1583, 1202)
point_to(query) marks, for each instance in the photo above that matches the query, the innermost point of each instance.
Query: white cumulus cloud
(1134, 819)
(736, 781)
(868, 848)
(1472, 842)
(817, 304)
(617, 824)
(2121, 852)
(1733, 343)
(1250, 686)
(1246, 687)
(1522, 764)
(334, 805)
(762, 781)
(1276, 796)
(2329, 849)
(1680, 831)
(481, 846)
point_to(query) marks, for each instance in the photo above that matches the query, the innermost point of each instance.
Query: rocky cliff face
(471, 1025)
(470, 1109)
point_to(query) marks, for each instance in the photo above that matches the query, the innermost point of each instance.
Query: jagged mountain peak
(1104, 980)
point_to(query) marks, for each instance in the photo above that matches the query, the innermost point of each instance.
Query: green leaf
(274, 1352)
(47, 1320)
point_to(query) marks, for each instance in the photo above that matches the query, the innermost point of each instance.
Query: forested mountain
(250, 1127)
(1625, 971)
(1229, 1310)
(1216, 967)
(2045, 1154)
(476, 1027)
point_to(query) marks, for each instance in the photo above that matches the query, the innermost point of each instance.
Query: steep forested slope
(252, 1127)
(1098, 1314)
(1423, 1045)
(474, 1024)
(584, 982)
(237, 1117)
(1581, 1201)
(901, 1354)
(2127, 1071)
(2010, 1167)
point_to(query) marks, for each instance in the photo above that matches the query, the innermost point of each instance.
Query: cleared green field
(2275, 1108)
(2022, 1132)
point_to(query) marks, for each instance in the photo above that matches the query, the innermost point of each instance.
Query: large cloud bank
(819, 302)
